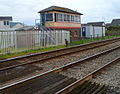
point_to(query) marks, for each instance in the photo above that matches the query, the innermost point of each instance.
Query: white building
(94, 29)
(5, 22)
(16, 25)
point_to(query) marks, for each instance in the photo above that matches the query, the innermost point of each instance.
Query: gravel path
(53, 63)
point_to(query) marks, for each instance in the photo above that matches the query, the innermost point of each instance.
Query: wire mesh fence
(16, 41)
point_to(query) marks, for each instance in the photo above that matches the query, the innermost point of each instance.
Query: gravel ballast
(86, 67)
(63, 60)
(83, 69)
(110, 77)
(57, 62)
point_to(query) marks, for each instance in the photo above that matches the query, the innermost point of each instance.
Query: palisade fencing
(16, 41)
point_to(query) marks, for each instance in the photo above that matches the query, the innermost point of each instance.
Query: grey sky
(93, 10)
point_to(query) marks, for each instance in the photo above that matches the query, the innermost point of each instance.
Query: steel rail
(8, 85)
(87, 77)
(39, 60)
(61, 49)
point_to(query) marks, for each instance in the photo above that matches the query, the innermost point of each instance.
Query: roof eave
(59, 11)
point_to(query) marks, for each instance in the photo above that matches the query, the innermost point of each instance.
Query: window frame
(68, 18)
(59, 17)
(5, 23)
(65, 17)
(47, 17)
(72, 18)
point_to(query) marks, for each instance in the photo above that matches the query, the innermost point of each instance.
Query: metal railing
(15, 41)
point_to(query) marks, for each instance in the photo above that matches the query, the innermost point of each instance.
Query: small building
(60, 18)
(93, 29)
(5, 22)
(16, 25)
(115, 22)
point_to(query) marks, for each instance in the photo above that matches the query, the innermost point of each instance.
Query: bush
(115, 28)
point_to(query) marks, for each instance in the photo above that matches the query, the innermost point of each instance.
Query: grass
(10, 55)
(92, 40)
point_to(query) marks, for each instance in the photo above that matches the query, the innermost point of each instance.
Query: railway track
(28, 70)
(56, 79)
(74, 88)
(89, 87)
(38, 57)
(110, 77)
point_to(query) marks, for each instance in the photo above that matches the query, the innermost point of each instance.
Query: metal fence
(15, 41)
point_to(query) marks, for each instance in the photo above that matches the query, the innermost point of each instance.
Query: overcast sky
(26, 11)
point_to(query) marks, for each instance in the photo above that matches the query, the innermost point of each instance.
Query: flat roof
(6, 18)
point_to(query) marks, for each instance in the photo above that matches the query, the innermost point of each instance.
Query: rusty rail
(35, 54)
(88, 77)
(5, 86)
(39, 60)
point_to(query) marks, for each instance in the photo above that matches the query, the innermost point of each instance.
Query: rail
(5, 86)
(40, 53)
(88, 77)
(39, 60)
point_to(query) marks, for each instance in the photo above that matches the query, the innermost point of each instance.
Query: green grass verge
(10, 55)
(55, 47)
(92, 40)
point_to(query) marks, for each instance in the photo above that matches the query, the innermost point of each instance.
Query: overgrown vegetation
(82, 41)
(113, 30)
(92, 40)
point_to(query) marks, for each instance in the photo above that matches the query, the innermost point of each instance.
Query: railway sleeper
(59, 85)
(80, 87)
(49, 83)
(89, 87)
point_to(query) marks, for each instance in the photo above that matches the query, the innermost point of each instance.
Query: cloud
(93, 10)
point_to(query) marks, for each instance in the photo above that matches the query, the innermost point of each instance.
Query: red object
(65, 27)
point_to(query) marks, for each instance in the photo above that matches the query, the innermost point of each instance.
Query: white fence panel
(14, 41)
